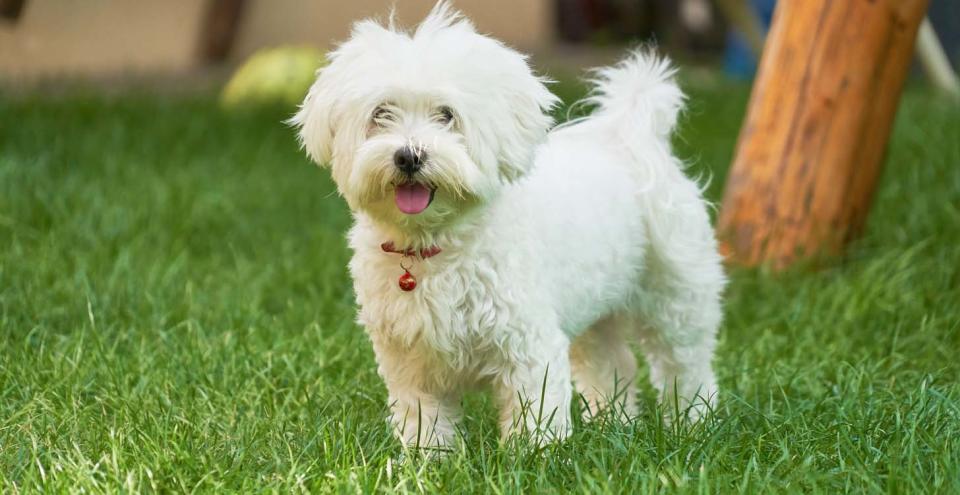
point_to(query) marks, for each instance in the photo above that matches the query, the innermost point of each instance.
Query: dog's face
(419, 128)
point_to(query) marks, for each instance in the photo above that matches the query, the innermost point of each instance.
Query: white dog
(489, 251)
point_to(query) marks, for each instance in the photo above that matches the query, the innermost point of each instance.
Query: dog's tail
(637, 95)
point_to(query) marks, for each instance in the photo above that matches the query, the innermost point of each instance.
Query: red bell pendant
(407, 282)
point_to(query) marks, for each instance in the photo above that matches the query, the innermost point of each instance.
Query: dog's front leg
(423, 420)
(423, 413)
(534, 393)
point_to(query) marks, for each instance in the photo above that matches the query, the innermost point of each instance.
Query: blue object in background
(945, 17)
(740, 63)
(738, 60)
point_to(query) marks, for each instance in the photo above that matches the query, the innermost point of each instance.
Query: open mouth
(413, 197)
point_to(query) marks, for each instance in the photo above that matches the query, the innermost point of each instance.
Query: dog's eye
(445, 115)
(382, 114)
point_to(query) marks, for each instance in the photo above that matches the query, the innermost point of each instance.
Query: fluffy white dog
(489, 251)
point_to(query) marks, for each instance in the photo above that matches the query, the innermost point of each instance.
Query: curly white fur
(556, 248)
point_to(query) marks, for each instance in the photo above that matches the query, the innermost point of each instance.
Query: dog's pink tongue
(413, 198)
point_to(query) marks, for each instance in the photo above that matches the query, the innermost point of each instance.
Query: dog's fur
(557, 247)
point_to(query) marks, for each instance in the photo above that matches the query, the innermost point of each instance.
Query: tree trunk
(813, 141)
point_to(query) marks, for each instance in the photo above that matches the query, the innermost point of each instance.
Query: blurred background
(43, 40)
(176, 314)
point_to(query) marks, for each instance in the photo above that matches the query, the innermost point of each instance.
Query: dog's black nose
(408, 160)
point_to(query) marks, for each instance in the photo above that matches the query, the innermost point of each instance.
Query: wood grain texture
(816, 130)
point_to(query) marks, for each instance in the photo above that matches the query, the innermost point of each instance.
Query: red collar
(424, 253)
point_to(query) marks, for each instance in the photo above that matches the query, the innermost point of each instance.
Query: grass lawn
(175, 315)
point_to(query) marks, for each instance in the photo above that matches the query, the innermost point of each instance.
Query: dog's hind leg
(605, 368)
(680, 312)
(680, 366)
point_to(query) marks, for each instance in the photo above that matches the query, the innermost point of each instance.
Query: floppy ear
(527, 103)
(323, 111)
(315, 120)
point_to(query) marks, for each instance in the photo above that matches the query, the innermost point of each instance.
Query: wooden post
(820, 114)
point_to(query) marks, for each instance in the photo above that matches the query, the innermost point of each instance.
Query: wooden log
(816, 130)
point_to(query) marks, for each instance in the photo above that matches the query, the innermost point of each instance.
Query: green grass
(175, 315)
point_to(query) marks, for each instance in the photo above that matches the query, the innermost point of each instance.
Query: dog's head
(420, 127)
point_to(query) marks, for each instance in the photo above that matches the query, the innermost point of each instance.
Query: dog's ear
(314, 120)
(526, 102)
(323, 113)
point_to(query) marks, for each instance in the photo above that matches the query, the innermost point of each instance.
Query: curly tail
(637, 94)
